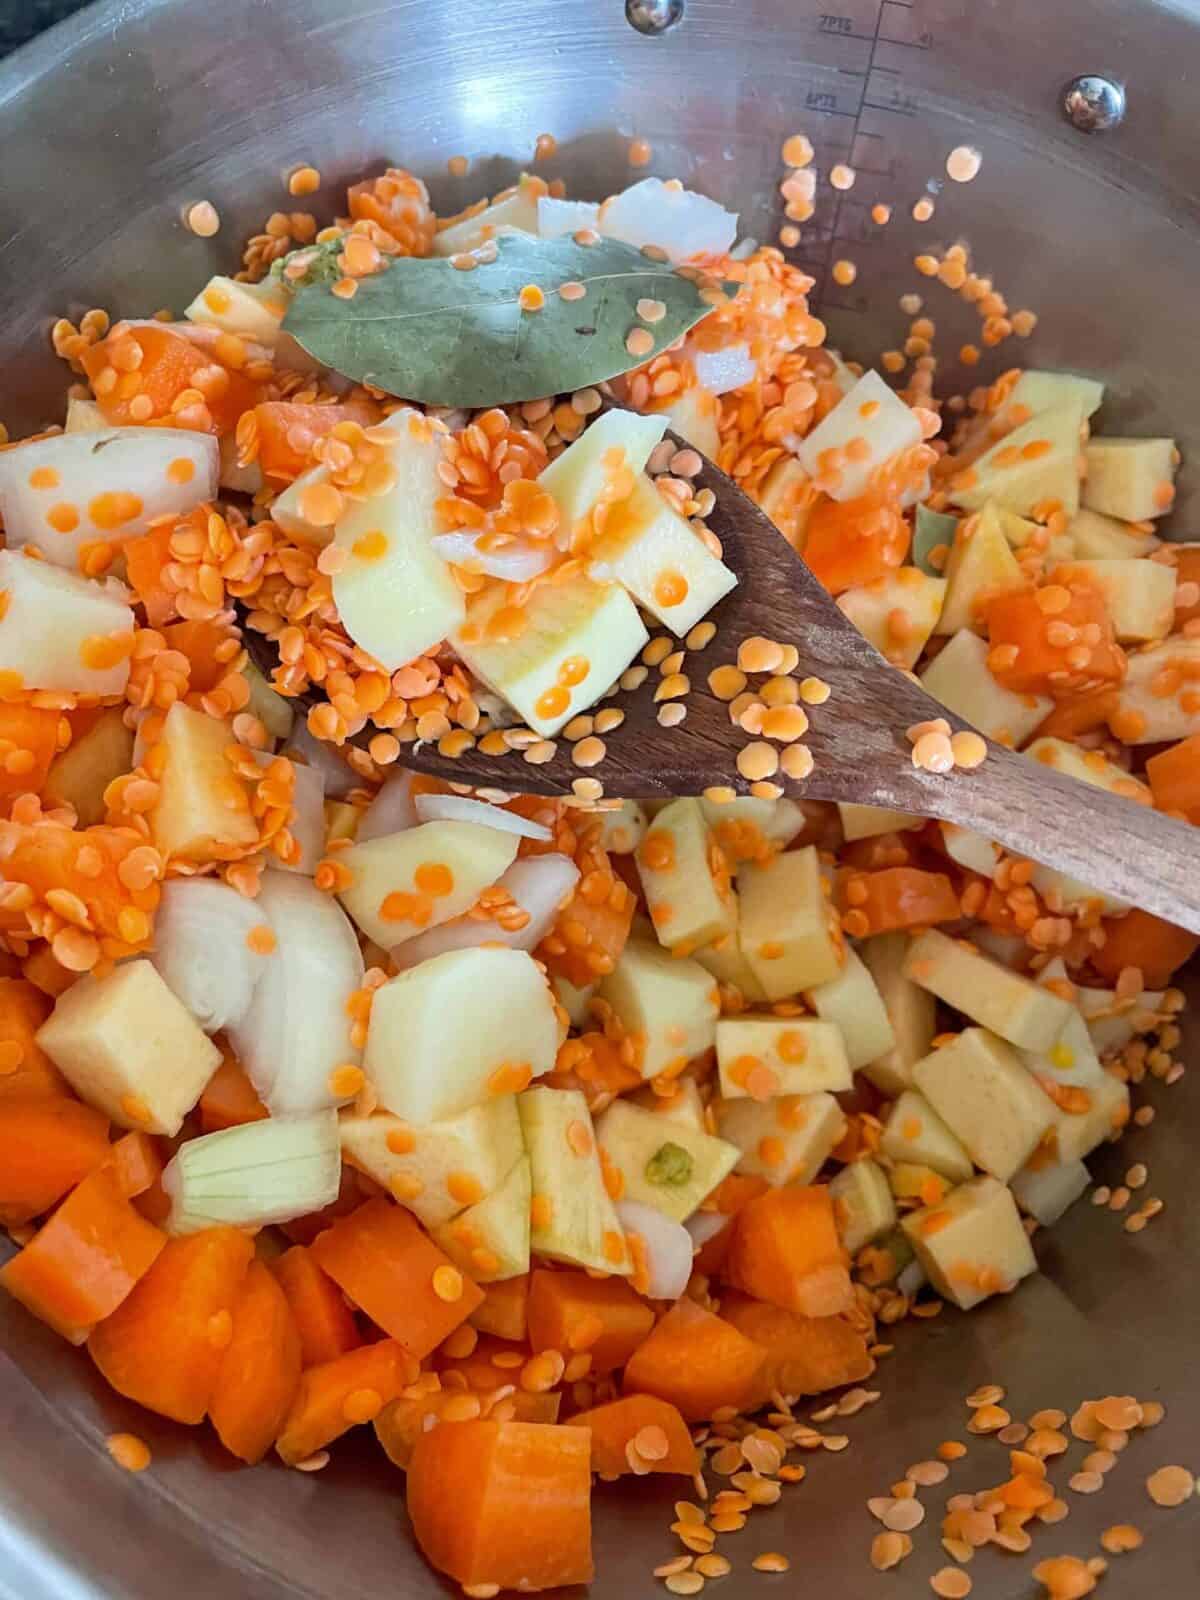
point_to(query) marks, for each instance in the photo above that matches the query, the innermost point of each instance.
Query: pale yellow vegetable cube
(1086, 766)
(286, 510)
(84, 416)
(573, 1217)
(972, 1245)
(88, 765)
(960, 678)
(668, 1004)
(1140, 595)
(623, 828)
(783, 1141)
(1100, 538)
(988, 1099)
(490, 1240)
(1133, 479)
(402, 883)
(725, 960)
(863, 1204)
(1037, 462)
(1090, 1104)
(1048, 1189)
(787, 496)
(916, 1136)
(659, 1161)
(970, 849)
(685, 1105)
(127, 1046)
(1016, 1008)
(873, 413)
(61, 632)
(911, 1011)
(898, 613)
(1040, 391)
(694, 418)
(853, 1002)
(868, 822)
(516, 210)
(1147, 714)
(789, 931)
(980, 564)
(272, 709)
(250, 310)
(588, 470)
(573, 1000)
(1113, 1021)
(748, 829)
(203, 807)
(768, 1056)
(686, 879)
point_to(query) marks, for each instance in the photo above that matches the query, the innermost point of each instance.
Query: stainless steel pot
(111, 124)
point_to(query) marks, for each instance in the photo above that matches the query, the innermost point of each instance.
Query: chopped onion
(307, 827)
(458, 808)
(669, 1251)
(302, 746)
(517, 562)
(679, 221)
(392, 810)
(540, 885)
(559, 217)
(254, 1175)
(201, 950)
(911, 1278)
(719, 371)
(706, 1225)
(297, 1030)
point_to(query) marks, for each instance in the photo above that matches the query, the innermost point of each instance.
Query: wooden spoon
(857, 738)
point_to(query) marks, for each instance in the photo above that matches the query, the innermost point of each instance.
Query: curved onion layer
(339, 779)
(719, 371)
(459, 808)
(669, 1249)
(540, 885)
(200, 948)
(517, 562)
(392, 810)
(706, 1225)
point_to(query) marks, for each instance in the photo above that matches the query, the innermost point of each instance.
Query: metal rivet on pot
(1093, 104)
(653, 17)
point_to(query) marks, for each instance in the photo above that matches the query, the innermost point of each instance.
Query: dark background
(21, 19)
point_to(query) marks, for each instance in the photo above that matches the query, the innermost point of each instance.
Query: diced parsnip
(767, 1056)
(254, 1175)
(725, 960)
(915, 1135)
(250, 310)
(128, 1047)
(751, 830)
(788, 929)
(693, 416)
(897, 614)
(667, 568)
(853, 1002)
(1140, 595)
(1133, 479)
(970, 849)
(581, 475)
(439, 1168)
(75, 489)
(686, 1105)
(685, 877)
(490, 1240)
(988, 1099)
(863, 1204)
(203, 807)
(1044, 391)
(1020, 1011)
(1047, 1190)
(1113, 1021)
(910, 1010)
(576, 639)
(84, 416)
(431, 1056)
(1100, 538)
(871, 412)
(1037, 462)
(272, 710)
(663, 1163)
(286, 510)
(1159, 698)
(980, 564)
(80, 775)
(787, 495)
(572, 1216)
(679, 221)
(62, 632)
(783, 1141)
(972, 1245)
(395, 596)
(867, 822)
(558, 217)
(668, 1004)
(405, 882)
(517, 209)
(1090, 1104)
(960, 678)
(1086, 766)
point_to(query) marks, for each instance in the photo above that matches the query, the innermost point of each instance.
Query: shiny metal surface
(1094, 104)
(110, 125)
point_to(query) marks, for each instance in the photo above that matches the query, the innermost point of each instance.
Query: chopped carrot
(698, 1362)
(287, 432)
(1187, 570)
(571, 1313)
(46, 973)
(1026, 654)
(503, 1309)
(323, 1319)
(26, 1071)
(135, 1163)
(735, 1191)
(47, 1145)
(805, 1355)
(658, 1434)
(591, 930)
(505, 1503)
(145, 559)
(229, 1098)
(1174, 777)
(168, 365)
(82, 1264)
(786, 1251)
(260, 1371)
(342, 1393)
(881, 850)
(399, 1425)
(1080, 713)
(200, 642)
(28, 744)
(492, 1364)
(47, 855)
(853, 542)
(164, 1344)
(1156, 948)
(897, 897)
(382, 1258)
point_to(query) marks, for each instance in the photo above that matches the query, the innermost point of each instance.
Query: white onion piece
(307, 827)
(200, 949)
(668, 1244)
(458, 808)
(706, 1225)
(679, 221)
(719, 371)
(539, 884)
(297, 1030)
(517, 562)
(559, 217)
(911, 1278)
(339, 778)
(392, 810)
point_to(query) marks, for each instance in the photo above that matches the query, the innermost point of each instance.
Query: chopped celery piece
(255, 1174)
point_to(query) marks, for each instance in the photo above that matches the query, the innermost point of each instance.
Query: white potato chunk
(662, 1161)
(61, 632)
(1090, 1104)
(573, 1216)
(972, 1245)
(1020, 1011)
(1100, 538)
(249, 310)
(868, 822)
(490, 1240)
(1045, 391)
(79, 776)
(853, 1002)
(783, 1141)
(693, 416)
(668, 1003)
(960, 678)
(898, 613)
(872, 412)
(686, 879)
(516, 209)
(1036, 463)
(1140, 595)
(769, 1056)
(203, 807)
(84, 416)
(980, 564)
(1048, 1189)
(588, 471)
(788, 929)
(910, 1011)
(1133, 479)
(916, 1136)
(988, 1099)
(677, 220)
(406, 882)
(1148, 715)
(863, 1204)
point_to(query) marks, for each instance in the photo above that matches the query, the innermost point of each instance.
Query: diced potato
(127, 1046)
(402, 883)
(915, 1135)
(1113, 1022)
(1133, 479)
(985, 1095)
(862, 1204)
(623, 829)
(1014, 1007)
(725, 960)
(61, 632)
(664, 1163)
(872, 412)
(1140, 595)
(1037, 462)
(686, 879)
(792, 1055)
(980, 564)
(898, 613)
(787, 495)
(84, 416)
(1047, 1190)
(910, 1011)
(286, 512)
(970, 849)
(788, 931)
(577, 639)
(80, 775)
(573, 1000)
(960, 678)
(490, 1240)
(867, 822)
(1020, 530)
(679, 221)
(973, 1244)
(751, 830)
(1090, 1104)
(251, 310)
(667, 568)
(1150, 717)
(908, 1180)
(787, 1140)
(586, 470)
(686, 1105)
(853, 1002)
(1086, 766)
(272, 710)
(1100, 538)
(518, 209)
(439, 1169)
(1045, 391)
(203, 807)
(573, 1217)
(431, 1055)
(694, 418)
(667, 1003)
(558, 217)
